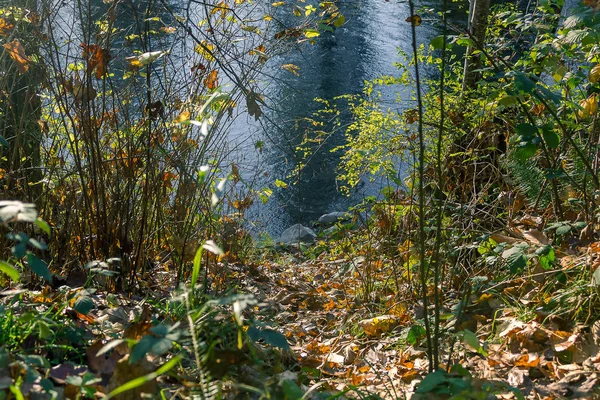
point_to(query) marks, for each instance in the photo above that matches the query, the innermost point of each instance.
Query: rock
(297, 234)
(333, 217)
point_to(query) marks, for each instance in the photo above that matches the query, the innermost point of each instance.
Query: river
(366, 47)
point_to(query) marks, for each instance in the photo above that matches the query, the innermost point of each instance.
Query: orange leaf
(17, 53)
(5, 27)
(211, 82)
(97, 59)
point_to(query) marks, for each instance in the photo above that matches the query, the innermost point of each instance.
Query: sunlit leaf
(595, 74)
(183, 117)
(416, 19)
(311, 33)
(17, 53)
(9, 270)
(145, 58)
(291, 68)
(211, 81)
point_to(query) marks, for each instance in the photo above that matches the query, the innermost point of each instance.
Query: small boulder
(333, 217)
(297, 234)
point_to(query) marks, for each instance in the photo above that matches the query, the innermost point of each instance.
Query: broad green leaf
(270, 336)
(431, 382)
(526, 129)
(415, 333)
(551, 138)
(526, 150)
(83, 305)
(9, 270)
(291, 390)
(515, 259)
(471, 339)
(437, 42)
(142, 348)
(43, 225)
(39, 267)
(339, 21)
(523, 83)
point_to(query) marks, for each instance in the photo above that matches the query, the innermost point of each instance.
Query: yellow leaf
(291, 68)
(595, 74)
(415, 19)
(183, 117)
(278, 3)
(588, 106)
(206, 50)
(311, 33)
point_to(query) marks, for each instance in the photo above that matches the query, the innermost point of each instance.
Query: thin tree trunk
(479, 12)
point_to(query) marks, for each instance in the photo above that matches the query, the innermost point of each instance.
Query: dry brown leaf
(536, 237)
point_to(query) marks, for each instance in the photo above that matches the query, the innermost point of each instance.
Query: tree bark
(479, 12)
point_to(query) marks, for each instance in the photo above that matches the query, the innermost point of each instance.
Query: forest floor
(353, 331)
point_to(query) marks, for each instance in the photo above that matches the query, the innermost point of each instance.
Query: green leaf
(39, 267)
(83, 305)
(437, 42)
(526, 129)
(3, 141)
(270, 336)
(9, 270)
(431, 382)
(196, 267)
(507, 101)
(515, 259)
(415, 333)
(563, 229)
(275, 339)
(291, 390)
(550, 137)
(43, 225)
(142, 348)
(37, 244)
(526, 150)
(523, 83)
(339, 21)
(471, 339)
(19, 250)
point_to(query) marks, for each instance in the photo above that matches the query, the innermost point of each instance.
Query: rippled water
(363, 49)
